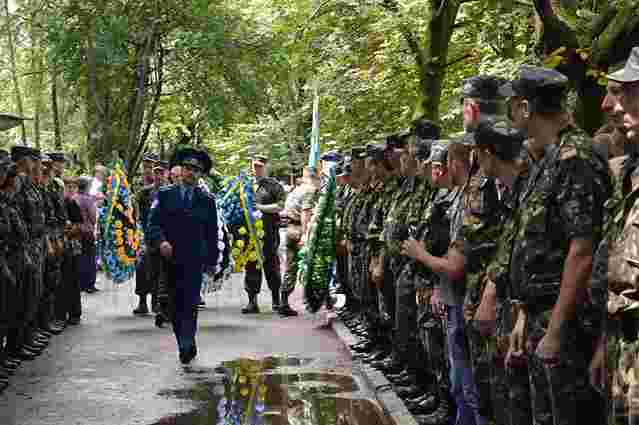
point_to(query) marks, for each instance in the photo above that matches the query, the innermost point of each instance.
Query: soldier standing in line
(270, 198)
(9, 284)
(499, 150)
(558, 223)
(355, 241)
(146, 276)
(452, 268)
(415, 380)
(17, 260)
(55, 219)
(434, 233)
(69, 305)
(612, 366)
(343, 199)
(30, 339)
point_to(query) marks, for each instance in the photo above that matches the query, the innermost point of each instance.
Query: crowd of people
(491, 276)
(48, 253)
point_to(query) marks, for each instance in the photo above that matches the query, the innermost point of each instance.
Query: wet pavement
(117, 369)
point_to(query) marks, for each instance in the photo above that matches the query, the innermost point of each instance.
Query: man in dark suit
(183, 225)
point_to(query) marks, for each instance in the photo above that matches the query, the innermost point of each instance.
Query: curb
(391, 404)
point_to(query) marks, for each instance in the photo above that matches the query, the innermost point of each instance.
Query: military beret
(57, 156)
(533, 82)
(331, 156)
(19, 152)
(439, 152)
(484, 87)
(506, 139)
(426, 129)
(4, 154)
(422, 149)
(630, 72)
(150, 157)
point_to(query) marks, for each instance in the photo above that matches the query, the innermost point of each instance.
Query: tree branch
(459, 59)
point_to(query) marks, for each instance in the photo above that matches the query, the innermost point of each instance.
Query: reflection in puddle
(275, 391)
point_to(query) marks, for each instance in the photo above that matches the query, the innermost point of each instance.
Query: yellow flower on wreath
(118, 224)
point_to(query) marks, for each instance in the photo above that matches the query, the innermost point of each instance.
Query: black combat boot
(285, 310)
(251, 307)
(443, 415)
(275, 298)
(143, 308)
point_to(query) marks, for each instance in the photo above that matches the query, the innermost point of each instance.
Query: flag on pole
(314, 156)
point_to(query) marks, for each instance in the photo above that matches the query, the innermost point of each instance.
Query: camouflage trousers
(405, 343)
(557, 391)
(510, 386)
(623, 369)
(293, 236)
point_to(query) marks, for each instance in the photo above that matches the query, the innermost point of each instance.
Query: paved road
(110, 369)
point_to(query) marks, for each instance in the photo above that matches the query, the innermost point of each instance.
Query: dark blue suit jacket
(193, 234)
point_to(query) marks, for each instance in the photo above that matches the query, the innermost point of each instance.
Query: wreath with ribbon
(236, 201)
(317, 256)
(121, 236)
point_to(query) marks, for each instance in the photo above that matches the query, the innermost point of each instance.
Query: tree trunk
(14, 71)
(38, 72)
(435, 56)
(55, 111)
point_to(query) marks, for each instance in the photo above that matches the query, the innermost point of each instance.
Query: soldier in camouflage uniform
(499, 152)
(435, 234)
(29, 340)
(10, 238)
(468, 208)
(56, 217)
(613, 368)
(558, 223)
(343, 198)
(16, 255)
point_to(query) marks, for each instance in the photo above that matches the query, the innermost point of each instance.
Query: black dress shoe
(251, 308)
(92, 290)
(397, 376)
(287, 311)
(73, 321)
(25, 354)
(418, 400)
(35, 346)
(443, 415)
(426, 407)
(4, 384)
(45, 333)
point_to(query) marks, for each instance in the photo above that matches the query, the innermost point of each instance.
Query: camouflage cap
(504, 138)
(484, 87)
(630, 72)
(533, 82)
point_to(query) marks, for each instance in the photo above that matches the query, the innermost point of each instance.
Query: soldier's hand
(438, 308)
(516, 355)
(411, 248)
(486, 315)
(166, 250)
(548, 349)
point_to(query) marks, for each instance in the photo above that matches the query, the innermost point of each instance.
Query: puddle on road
(274, 391)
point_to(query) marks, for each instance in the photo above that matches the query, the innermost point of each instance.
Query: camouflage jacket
(402, 213)
(31, 206)
(563, 199)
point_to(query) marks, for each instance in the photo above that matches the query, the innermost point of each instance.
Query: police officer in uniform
(183, 225)
(270, 198)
